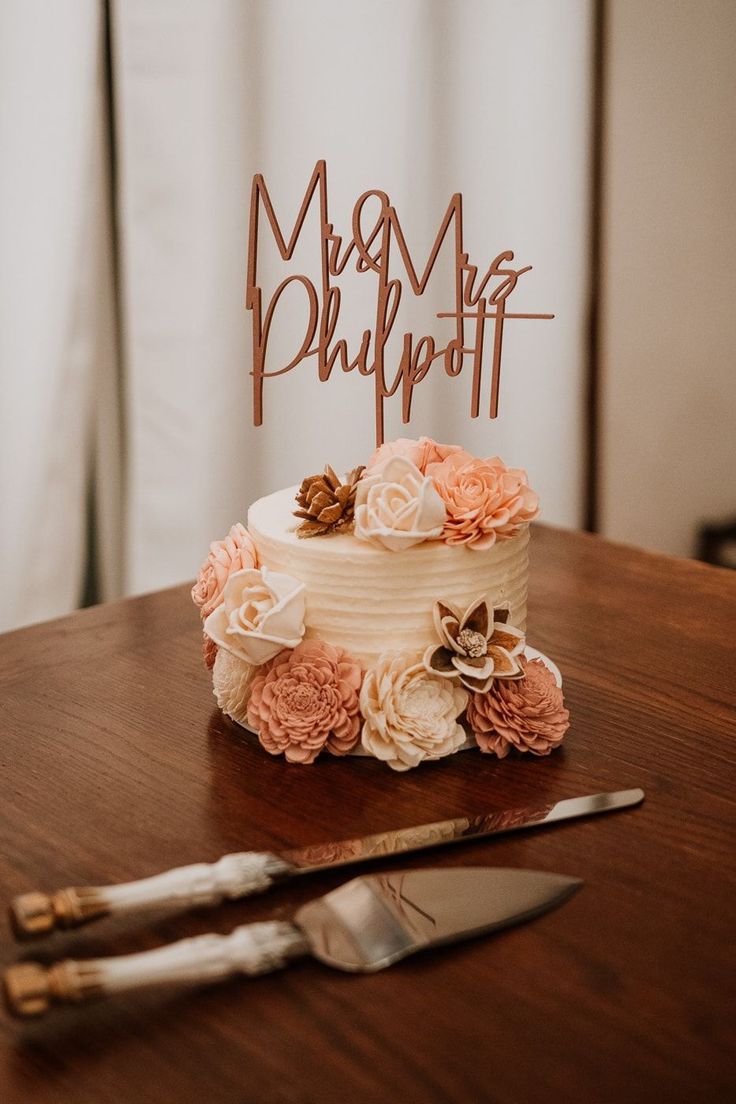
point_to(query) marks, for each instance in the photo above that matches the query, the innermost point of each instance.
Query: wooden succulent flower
(326, 502)
(477, 646)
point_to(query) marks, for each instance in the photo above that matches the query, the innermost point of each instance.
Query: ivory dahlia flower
(232, 679)
(410, 715)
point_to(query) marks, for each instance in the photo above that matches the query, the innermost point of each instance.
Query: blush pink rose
(422, 453)
(307, 700)
(526, 714)
(235, 552)
(485, 501)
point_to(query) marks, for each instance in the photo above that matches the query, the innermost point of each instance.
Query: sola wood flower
(485, 500)
(209, 651)
(410, 715)
(261, 613)
(528, 714)
(421, 452)
(235, 552)
(397, 507)
(478, 646)
(326, 502)
(306, 701)
(232, 679)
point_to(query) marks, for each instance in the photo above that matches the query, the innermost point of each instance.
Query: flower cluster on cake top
(414, 491)
(305, 696)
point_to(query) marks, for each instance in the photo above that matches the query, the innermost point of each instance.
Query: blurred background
(595, 138)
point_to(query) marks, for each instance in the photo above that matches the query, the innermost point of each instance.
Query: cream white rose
(396, 506)
(261, 613)
(410, 715)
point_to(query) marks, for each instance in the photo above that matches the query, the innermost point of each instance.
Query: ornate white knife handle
(30, 988)
(237, 875)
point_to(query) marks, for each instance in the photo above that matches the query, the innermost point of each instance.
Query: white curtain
(58, 363)
(420, 98)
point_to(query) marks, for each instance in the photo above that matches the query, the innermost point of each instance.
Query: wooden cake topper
(475, 302)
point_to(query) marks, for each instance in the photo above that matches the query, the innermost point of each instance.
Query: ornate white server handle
(30, 988)
(236, 875)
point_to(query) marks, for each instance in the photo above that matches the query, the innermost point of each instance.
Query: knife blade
(249, 872)
(363, 926)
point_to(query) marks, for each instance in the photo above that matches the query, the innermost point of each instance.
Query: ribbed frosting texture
(367, 600)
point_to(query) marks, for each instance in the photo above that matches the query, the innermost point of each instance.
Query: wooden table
(114, 764)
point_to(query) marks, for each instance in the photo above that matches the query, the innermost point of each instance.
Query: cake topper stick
(372, 254)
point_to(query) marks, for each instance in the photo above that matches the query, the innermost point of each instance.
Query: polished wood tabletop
(115, 764)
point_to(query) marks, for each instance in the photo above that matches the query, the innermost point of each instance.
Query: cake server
(365, 925)
(248, 872)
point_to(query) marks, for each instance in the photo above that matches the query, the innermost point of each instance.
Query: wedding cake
(383, 612)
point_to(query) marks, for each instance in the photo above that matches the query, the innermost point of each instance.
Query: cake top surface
(272, 518)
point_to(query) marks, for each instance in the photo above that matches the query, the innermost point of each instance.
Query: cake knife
(249, 872)
(365, 925)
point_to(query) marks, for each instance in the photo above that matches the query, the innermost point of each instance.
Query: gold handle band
(36, 914)
(30, 988)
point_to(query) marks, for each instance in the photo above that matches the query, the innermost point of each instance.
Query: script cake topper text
(478, 301)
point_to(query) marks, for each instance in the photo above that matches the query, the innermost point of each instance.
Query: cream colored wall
(668, 400)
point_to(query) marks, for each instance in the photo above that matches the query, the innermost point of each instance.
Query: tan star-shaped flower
(477, 646)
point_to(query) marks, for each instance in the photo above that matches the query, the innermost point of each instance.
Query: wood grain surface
(115, 764)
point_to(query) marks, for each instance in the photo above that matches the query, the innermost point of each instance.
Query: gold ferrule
(30, 988)
(26, 989)
(36, 914)
(32, 915)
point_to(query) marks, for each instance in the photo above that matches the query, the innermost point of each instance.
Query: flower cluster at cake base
(307, 698)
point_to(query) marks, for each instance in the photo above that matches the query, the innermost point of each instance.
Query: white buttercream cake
(383, 612)
(365, 599)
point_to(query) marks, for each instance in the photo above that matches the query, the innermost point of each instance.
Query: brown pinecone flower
(326, 502)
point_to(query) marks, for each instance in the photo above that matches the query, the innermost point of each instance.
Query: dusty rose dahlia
(527, 714)
(209, 651)
(306, 700)
(485, 501)
(233, 553)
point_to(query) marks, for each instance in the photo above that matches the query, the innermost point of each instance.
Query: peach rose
(527, 714)
(306, 701)
(261, 613)
(397, 506)
(235, 552)
(410, 715)
(421, 453)
(485, 501)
